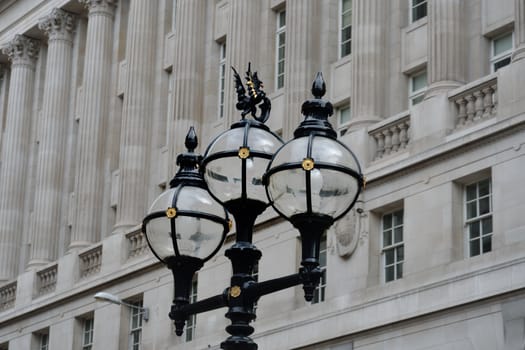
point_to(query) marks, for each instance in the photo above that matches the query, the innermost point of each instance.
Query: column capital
(101, 7)
(58, 25)
(22, 50)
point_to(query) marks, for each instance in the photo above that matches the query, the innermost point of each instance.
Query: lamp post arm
(256, 290)
(180, 312)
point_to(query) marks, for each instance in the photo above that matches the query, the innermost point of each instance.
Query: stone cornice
(100, 7)
(22, 50)
(58, 25)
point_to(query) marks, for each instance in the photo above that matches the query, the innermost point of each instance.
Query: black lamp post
(311, 181)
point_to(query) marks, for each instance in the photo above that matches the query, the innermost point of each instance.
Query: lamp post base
(236, 342)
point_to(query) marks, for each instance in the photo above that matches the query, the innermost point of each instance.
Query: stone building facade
(96, 97)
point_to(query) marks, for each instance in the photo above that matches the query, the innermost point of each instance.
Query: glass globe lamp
(314, 179)
(185, 226)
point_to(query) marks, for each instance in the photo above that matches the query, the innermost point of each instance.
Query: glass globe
(313, 175)
(236, 160)
(186, 221)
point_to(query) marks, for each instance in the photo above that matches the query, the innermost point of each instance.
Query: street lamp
(105, 296)
(311, 181)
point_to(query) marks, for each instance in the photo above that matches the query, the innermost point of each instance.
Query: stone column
(446, 65)
(92, 127)
(53, 127)
(302, 59)
(138, 104)
(22, 52)
(241, 48)
(369, 28)
(519, 30)
(188, 77)
(4, 82)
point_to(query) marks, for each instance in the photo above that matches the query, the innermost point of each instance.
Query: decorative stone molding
(58, 25)
(346, 235)
(8, 296)
(47, 280)
(391, 137)
(475, 102)
(22, 50)
(90, 262)
(137, 244)
(100, 7)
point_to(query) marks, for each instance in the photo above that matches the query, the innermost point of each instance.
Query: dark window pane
(398, 218)
(472, 211)
(471, 192)
(346, 49)
(419, 11)
(387, 221)
(486, 225)
(400, 251)
(487, 244)
(502, 63)
(484, 205)
(322, 259)
(474, 247)
(389, 256)
(473, 228)
(346, 34)
(387, 238)
(399, 270)
(484, 187)
(282, 39)
(398, 234)
(389, 273)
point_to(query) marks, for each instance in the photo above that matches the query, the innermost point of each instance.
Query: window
(319, 293)
(501, 50)
(393, 246)
(222, 76)
(344, 114)
(135, 326)
(192, 320)
(417, 88)
(87, 337)
(478, 216)
(280, 39)
(170, 110)
(44, 341)
(255, 275)
(418, 9)
(345, 38)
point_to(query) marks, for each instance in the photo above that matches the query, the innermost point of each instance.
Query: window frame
(89, 321)
(478, 218)
(136, 313)
(393, 246)
(43, 341)
(416, 94)
(191, 323)
(341, 29)
(494, 59)
(221, 94)
(340, 109)
(411, 7)
(280, 29)
(320, 290)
